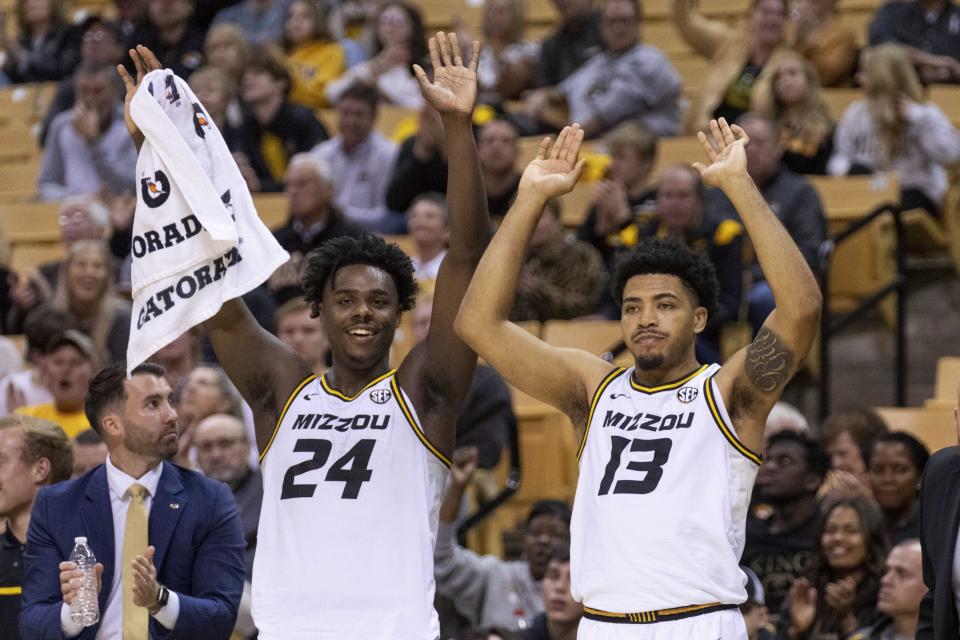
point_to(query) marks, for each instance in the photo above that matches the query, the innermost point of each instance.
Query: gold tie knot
(137, 491)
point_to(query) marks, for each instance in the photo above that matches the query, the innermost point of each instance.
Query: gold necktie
(135, 619)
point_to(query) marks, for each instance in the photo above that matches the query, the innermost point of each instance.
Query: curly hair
(669, 256)
(322, 264)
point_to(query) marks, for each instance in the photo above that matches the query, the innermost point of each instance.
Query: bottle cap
(80, 540)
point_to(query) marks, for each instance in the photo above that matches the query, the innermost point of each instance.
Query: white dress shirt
(111, 618)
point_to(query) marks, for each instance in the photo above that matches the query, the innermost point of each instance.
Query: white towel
(197, 239)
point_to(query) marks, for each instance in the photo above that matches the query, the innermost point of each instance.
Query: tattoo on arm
(769, 361)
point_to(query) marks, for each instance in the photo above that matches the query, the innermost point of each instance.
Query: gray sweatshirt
(488, 591)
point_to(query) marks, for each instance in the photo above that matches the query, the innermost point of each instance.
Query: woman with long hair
(896, 129)
(311, 55)
(507, 60)
(788, 92)
(840, 593)
(46, 47)
(226, 48)
(85, 292)
(399, 41)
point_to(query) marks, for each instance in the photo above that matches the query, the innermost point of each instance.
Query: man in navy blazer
(190, 577)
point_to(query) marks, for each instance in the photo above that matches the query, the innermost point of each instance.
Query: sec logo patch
(687, 394)
(381, 396)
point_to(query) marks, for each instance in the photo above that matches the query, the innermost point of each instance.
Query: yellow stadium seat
(934, 426)
(945, 384)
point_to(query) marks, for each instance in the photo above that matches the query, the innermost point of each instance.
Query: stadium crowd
(832, 547)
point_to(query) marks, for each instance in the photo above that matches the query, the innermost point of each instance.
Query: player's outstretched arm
(563, 378)
(752, 380)
(264, 370)
(438, 373)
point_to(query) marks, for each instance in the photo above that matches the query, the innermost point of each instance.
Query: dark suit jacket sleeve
(218, 572)
(41, 599)
(927, 535)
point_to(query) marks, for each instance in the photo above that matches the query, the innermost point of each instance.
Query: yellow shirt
(72, 423)
(312, 66)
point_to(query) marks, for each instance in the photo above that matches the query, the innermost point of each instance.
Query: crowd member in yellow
(68, 367)
(312, 56)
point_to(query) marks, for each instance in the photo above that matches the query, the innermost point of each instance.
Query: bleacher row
(859, 268)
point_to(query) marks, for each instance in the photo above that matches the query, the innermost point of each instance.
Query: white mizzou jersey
(351, 495)
(660, 512)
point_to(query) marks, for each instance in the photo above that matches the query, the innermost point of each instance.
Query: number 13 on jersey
(653, 468)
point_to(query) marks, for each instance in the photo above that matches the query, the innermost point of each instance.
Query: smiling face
(87, 273)
(844, 541)
(660, 319)
(361, 314)
(894, 480)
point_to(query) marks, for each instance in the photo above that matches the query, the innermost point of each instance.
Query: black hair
(418, 34)
(485, 632)
(554, 508)
(817, 460)
(87, 438)
(42, 324)
(323, 263)
(266, 61)
(669, 256)
(106, 388)
(361, 92)
(560, 551)
(918, 452)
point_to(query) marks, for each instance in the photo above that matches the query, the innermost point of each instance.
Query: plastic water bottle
(85, 609)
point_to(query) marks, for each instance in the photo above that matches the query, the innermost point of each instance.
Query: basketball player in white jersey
(354, 462)
(669, 447)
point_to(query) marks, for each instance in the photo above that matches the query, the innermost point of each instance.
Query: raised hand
(463, 465)
(144, 61)
(802, 605)
(454, 87)
(556, 169)
(728, 158)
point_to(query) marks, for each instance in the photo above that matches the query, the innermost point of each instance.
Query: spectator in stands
(33, 453)
(576, 40)
(421, 165)
(791, 198)
(172, 34)
(562, 613)
(495, 633)
(89, 451)
(498, 146)
(561, 277)
(840, 593)
(69, 365)
(303, 333)
(738, 56)
(82, 217)
(627, 80)
(312, 56)
(507, 60)
(896, 129)
(487, 415)
(207, 391)
(130, 14)
(88, 148)
(895, 464)
(358, 156)
(784, 417)
(85, 291)
(399, 41)
(822, 37)
(217, 93)
(225, 48)
(427, 228)
(313, 218)
(273, 130)
(781, 535)
(487, 590)
(901, 590)
(179, 358)
(680, 215)
(788, 92)
(931, 31)
(846, 435)
(46, 47)
(28, 387)
(756, 616)
(260, 21)
(102, 42)
(624, 201)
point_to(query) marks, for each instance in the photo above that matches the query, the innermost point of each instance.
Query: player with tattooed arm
(668, 452)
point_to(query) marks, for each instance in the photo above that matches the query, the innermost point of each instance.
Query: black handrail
(510, 487)
(831, 324)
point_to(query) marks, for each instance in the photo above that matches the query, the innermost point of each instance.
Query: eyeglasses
(76, 215)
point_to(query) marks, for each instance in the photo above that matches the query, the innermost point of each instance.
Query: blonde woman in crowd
(507, 60)
(226, 49)
(896, 129)
(788, 92)
(312, 56)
